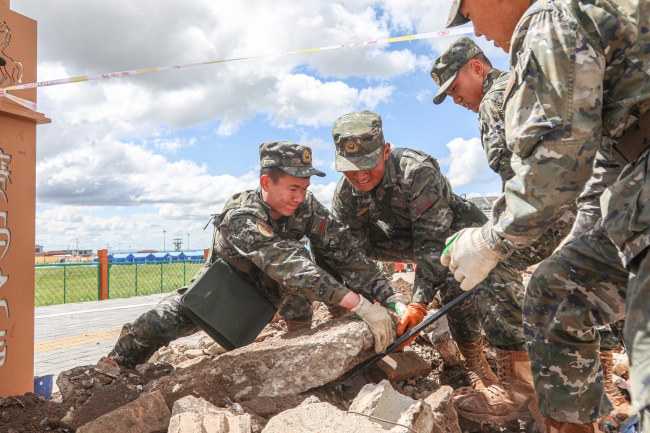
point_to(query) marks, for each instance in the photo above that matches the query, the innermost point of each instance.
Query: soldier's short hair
(273, 172)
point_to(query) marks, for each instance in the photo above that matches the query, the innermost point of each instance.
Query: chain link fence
(79, 282)
(136, 279)
(66, 283)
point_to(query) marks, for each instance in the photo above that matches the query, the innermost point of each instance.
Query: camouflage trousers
(626, 216)
(605, 171)
(166, 322)
(581, 287)
(637, 333)
(496, 306)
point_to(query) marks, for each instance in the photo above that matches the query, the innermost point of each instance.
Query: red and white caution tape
(81, 78)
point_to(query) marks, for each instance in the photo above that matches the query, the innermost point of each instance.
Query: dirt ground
(87, 392)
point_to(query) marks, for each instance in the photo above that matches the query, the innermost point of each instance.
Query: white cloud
(324, 193)
(105, 168)
(81, 37)
(373, 96)
(112, 172)
(301, 99)
(467, 163)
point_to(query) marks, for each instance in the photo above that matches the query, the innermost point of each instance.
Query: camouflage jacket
(414, 200)
(246, 233)
(579, 71)
(492, 124)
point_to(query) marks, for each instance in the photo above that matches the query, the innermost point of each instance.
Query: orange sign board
(17, 204)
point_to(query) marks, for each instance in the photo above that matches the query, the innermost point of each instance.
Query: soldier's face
(285, 195)
(367, 180)
(467, 87)
(495, 19)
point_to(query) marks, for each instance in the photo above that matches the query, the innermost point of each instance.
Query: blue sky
(125, 159)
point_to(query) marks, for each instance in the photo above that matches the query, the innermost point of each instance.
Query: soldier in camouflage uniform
(258, 235)
(581, 72)
(466, 75)
(400, 207)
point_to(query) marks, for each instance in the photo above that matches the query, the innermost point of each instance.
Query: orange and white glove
(414, 314)
(469, 256)
(410, 315)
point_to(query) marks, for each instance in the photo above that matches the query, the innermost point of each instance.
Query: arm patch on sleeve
(422, 203)
(264, 229)
(318, 225)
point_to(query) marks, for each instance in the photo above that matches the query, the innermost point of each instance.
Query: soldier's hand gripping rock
(378, 320)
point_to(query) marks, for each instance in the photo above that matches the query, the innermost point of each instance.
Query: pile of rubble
(282, 383)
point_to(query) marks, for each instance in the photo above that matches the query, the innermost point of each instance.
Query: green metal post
(161, 278)
(136, 279)
(184, 266)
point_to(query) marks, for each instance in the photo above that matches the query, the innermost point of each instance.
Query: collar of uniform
(490, 78)
(267, 208)
(390, 175)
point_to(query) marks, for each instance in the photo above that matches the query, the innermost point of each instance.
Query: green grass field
(66, 283)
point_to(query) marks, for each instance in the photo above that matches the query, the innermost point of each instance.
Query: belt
(634, 141)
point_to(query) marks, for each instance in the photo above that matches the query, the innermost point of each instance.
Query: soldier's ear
(476, 67)
(386, 151)
(264, 182)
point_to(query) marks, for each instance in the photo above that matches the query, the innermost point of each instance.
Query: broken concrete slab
(204, 413)
(280, 366)
(401, 366)
(186, 422)
(195, 405)
(312, 416)
(402, 413)
(190, 422)
(147, 414)
(445, 419)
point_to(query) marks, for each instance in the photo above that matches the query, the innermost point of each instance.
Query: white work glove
(379, 322)
(469, 257)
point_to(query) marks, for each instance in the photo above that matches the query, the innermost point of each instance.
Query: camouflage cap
(446, 67)
(292, 158)
(359, 141)
(455, 17)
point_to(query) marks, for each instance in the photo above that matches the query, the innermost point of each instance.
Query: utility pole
(188, 241)
(164, 241)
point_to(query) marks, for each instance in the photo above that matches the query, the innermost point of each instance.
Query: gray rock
(383, 402)
(193, 404)
(274, 367)
(444, 413)
(315, 417)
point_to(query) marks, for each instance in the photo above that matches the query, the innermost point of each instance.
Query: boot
(553, 426)
(297, 324)
(622, 408)
(506, 401)
(480, 374)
